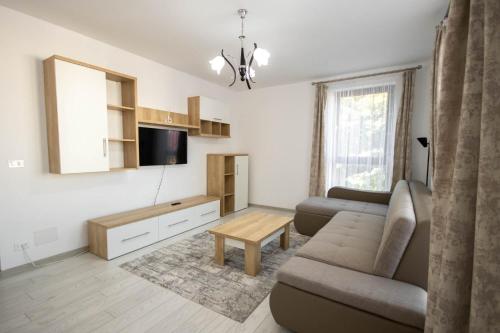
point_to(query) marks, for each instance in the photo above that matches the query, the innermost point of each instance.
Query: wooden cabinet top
(119, 219)
(228, 154)
(110, 74)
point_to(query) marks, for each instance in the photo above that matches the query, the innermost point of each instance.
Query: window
(360, 128)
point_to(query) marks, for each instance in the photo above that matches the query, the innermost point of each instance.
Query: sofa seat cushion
(349, 240)
(330, 207)
(395, 300)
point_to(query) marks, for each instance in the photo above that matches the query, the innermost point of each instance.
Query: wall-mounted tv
(162, 146)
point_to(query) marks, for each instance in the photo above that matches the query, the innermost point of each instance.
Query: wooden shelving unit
(222, 179)
(122, 122)
(151, 116)
(97, 104)
(210, 129)
(204, 127)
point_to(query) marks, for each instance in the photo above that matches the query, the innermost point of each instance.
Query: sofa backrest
(399, 226)
(414, 264)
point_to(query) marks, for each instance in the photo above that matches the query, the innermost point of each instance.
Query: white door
(241, 182)
(82, 118)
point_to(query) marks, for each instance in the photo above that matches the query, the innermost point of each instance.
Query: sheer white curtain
(360, 130)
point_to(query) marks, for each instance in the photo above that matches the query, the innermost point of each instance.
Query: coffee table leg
(285, 238)
(219, 250)
(252, 259)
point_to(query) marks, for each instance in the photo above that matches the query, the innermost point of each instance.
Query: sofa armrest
(340, 192)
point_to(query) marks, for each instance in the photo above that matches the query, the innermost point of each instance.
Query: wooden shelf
(161, 123)
(228, 204)
(225, 130)
(151, 116)
(120, 107)
(121, 140)
(121, 169)
(122, 125)
(212, 135)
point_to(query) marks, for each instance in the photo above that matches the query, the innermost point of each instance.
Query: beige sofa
(365, 268)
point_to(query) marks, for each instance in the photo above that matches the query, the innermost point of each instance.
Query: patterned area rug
(187, 268)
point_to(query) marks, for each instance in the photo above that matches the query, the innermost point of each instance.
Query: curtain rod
(368, 75)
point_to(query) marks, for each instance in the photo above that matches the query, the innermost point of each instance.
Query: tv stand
(114, 235)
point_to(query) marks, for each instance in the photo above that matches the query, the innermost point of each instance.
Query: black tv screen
(162, 146)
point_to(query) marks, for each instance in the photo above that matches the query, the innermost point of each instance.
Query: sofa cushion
(349, 240)
(395, 300)
(398, 229)
(330, 207)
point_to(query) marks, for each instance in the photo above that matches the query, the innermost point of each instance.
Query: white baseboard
(29, 267)
(288, 210)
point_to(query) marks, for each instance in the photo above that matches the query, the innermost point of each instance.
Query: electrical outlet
(16, 163)
(18, 246)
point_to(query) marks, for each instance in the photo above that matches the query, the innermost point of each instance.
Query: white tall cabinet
(240, 182)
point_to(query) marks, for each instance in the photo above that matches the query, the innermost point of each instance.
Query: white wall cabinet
(213, 110)
(240, 182)
(82, 118)
(211, 116)
(79, 114)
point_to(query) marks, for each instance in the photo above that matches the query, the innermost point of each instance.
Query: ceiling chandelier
(246, 71)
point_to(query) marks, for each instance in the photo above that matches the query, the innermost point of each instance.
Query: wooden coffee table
(251, 232)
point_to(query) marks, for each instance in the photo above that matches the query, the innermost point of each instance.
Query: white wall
(277, 134)
(276, 129)
(421, 121)
(31, 199)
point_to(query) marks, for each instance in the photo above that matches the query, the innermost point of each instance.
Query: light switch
(16, 163)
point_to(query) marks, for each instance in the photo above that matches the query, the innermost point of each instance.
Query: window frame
(360, 84)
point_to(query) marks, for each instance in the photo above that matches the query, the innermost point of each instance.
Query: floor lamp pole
(427, 173)
(426, 144)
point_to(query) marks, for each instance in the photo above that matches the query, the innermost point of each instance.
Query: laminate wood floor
(88, 294)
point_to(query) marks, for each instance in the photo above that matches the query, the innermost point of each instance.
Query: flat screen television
(162, 146)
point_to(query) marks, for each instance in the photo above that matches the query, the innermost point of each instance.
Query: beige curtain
(317, 176)
(464, 273)
(436, 65)
(402, 143)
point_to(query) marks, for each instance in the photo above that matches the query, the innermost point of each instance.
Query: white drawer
(177, 222)
(208, 212)
(131, 237)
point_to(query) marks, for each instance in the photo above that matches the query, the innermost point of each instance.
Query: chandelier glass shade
(245, 70)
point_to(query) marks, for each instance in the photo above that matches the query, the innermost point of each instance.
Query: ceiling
(307, 39)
